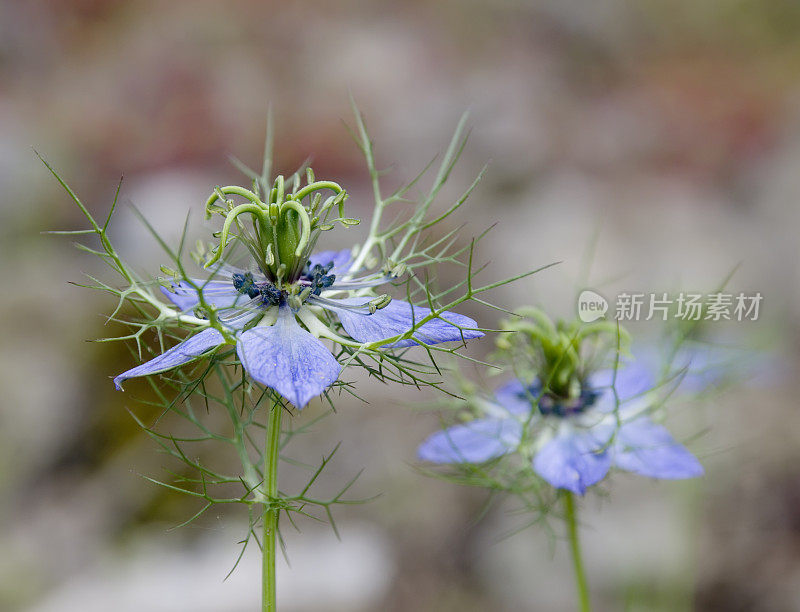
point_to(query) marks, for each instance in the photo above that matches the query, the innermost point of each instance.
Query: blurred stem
(581, 584)
(270, 518)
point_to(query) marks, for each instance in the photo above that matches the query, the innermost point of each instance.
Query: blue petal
(573, 461)
(341, 260)
(648, 449)
(288, 359)
(221, 294)
(474, 442)
(701, 367)
(515, 397)
(396, 318)
(632, 379)
(179, 354)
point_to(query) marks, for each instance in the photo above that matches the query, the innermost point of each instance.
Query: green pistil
(280, 236)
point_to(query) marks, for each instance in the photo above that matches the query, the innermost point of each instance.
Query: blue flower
(276, 351)
(578, 440)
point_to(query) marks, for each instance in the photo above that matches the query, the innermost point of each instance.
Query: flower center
(565, 407)
(313, 281)
(550, 404)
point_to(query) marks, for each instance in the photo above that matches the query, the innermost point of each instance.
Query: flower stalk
(270, 517)
(581, 584)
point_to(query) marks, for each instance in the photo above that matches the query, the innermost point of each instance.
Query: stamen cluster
(313, 281)
(318, 277)
(245, 284)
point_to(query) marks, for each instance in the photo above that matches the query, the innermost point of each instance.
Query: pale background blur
(668, 129)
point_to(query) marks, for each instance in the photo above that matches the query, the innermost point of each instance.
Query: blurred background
(665, 132)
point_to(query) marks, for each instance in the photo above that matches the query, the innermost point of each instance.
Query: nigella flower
(274, 348)
(577, 441)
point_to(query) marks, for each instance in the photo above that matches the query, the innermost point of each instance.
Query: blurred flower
(576, 441)
(276, 351)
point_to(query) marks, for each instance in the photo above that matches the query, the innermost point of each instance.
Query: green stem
(581, 584)
(270, 518)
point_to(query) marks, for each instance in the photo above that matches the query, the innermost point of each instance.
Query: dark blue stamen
(245, 284)
(318, 277)
(270, 294)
